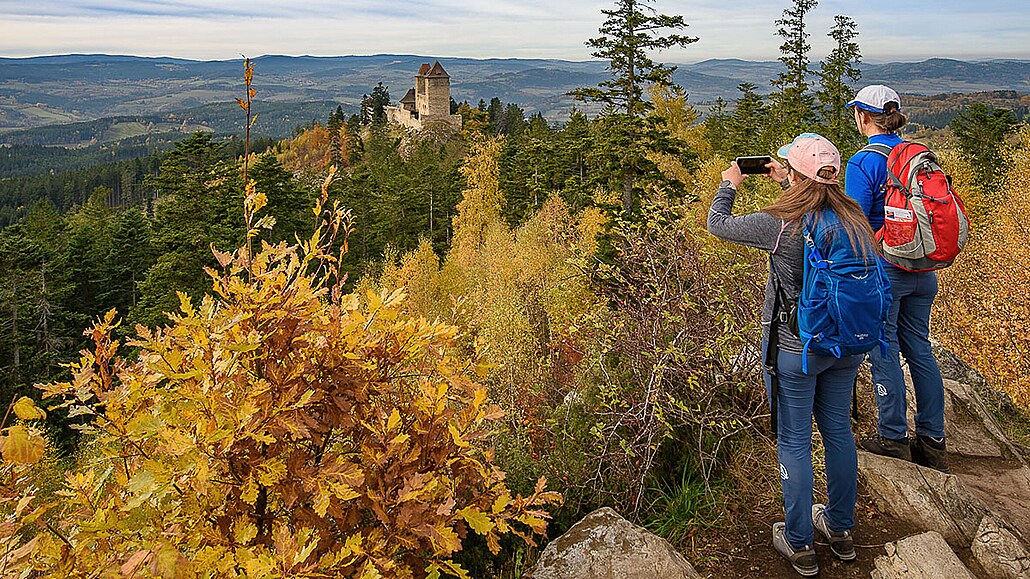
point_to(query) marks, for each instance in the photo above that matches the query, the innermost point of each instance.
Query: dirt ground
(744, 548)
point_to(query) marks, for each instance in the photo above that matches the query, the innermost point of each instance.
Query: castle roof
(438, 70)
(409, 97)
(424, 69)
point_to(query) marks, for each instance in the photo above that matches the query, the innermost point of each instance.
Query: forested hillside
(367, 352)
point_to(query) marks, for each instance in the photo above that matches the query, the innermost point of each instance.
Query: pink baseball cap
(808, 153)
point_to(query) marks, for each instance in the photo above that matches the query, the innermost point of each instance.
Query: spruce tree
(632, 29)
(837, 76)
(792, 104)
(981, 130)
(745, 128)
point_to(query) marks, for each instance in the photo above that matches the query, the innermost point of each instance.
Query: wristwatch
(727, 183)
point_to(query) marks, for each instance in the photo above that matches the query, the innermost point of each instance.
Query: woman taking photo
(811, 192)
(878, 116)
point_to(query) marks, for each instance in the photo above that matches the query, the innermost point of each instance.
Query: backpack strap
(879, 148)
(772, 352)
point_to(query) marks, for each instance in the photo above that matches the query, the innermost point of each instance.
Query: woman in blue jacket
(877, 110)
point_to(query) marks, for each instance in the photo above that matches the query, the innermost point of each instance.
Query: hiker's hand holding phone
(733, 175)
(777, 172)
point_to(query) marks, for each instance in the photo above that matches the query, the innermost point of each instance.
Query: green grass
(680, 508)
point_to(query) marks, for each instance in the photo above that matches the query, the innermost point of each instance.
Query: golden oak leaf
(321, 502)
(244, 531)
(26, 409)
(456, 436)
(22, 446)
(501, 502)
(271, 472)
(250, 492)
(479, 521)
(394, 422)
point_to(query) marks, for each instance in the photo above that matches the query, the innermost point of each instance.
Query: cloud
(498, 28)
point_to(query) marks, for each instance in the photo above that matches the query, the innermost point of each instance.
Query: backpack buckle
(784, 317)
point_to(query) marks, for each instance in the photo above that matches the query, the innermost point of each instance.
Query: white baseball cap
(874, 97)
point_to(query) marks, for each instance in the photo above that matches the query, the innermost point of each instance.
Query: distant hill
(53, 90)
(275, 119)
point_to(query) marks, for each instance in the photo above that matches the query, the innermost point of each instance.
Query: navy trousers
(824, 392)
(908, 334)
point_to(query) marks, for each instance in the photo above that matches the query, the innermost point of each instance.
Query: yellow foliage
(312, 149)
(682, 122)
(516, 294)
(278, 428)
(982, 311)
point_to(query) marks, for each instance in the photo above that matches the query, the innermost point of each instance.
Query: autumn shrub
(280, 427)
(606, 376)
(516, 294)
(982, 312)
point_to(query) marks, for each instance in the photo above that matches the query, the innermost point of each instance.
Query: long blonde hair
(809, 196)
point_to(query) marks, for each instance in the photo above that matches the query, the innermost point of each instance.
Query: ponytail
(890, 120)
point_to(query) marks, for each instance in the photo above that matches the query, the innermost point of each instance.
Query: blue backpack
(843, 304)
(844, 300)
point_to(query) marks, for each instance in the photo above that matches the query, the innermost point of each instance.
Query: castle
(429, 102)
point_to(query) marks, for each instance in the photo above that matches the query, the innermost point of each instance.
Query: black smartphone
(755, 165)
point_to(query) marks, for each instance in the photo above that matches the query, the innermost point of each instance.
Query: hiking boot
(803, 561)
(877, 444)
(931, 452)
(841, 543)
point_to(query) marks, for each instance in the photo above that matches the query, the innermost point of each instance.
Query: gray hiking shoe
(931, 452)
(877, 444)
(841, 543)
(803, 561)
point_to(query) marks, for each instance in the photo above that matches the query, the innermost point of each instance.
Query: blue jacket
(864, 178)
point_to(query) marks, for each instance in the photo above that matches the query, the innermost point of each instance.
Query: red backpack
(924, 221)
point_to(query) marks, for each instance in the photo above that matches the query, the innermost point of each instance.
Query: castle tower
(428, 102)
(438, 91)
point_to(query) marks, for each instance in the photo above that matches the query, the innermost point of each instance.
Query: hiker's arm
(758, 230)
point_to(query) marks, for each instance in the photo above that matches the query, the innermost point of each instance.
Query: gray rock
(999, 552)
(923, 496)
(925, 556)
(969, 432)
(605, 546)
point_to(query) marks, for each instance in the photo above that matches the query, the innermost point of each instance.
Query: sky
(900, 30)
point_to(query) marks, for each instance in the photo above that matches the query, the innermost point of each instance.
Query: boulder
(1000, 552)
(922, 496)
(969, 427)
(605, 546)
(925, 556)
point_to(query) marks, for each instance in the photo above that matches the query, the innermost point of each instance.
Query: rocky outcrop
(605, 546)
(981, 508)
(925, 556)
(932, 500)
(999, 552)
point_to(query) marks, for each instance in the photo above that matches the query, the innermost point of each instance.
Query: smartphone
(755, 165)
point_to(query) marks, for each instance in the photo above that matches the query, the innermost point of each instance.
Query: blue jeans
(826, 393)
(908, 333)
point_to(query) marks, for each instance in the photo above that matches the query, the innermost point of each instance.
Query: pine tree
(837, 75)
(632, 29)
(792, 104)
(745, 128)
(981, 130)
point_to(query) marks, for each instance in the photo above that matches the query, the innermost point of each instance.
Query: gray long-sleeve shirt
(763, 231)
